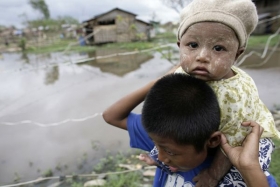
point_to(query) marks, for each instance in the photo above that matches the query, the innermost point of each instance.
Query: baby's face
(208, 50)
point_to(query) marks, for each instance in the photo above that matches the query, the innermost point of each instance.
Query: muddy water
(50, 108)
(46, 95)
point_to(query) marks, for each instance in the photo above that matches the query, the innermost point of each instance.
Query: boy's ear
(214, 140)
(239, 52)
(178, 43)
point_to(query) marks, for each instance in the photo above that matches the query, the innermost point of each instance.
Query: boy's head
(181, 114)
(213, 34)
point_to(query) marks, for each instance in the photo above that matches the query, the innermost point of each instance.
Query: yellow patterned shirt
(239, 101)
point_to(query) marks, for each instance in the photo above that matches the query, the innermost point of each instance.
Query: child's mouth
(200, 71)
(173, 169)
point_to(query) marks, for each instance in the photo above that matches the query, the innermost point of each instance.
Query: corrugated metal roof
(99, 15)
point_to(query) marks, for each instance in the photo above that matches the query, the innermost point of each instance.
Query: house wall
(105, 33)
(122, 31)
(142, 29)
(117, 26)
(125, 28)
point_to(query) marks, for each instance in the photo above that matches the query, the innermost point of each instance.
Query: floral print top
(239, 102)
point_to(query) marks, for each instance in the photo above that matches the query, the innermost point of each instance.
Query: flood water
(50, 107)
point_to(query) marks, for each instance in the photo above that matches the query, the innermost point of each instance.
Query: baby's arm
(211, 176)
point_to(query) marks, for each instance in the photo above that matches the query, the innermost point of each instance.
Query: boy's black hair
(182, 108)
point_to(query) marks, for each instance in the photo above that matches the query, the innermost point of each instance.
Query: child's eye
(169, 152)
(219, 48)
(193, 45)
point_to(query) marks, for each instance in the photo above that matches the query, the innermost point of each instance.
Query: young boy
(181, 117)
(211, 36)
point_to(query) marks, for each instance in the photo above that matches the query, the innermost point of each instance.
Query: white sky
(10, 10)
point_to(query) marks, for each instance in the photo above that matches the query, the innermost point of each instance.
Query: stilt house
(116, 25)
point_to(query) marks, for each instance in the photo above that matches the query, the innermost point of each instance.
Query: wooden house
(267, 9)
(116, 25)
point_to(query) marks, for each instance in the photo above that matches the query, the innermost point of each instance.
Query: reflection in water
(118, 65)
(25, 57)
(52, 75)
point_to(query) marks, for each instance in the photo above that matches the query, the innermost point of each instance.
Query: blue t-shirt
(140, 139)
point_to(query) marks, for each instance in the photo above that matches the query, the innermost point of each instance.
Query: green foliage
(22, 44)
(140, 36)
(41, 6)
(275, 163)
(74, 182)
(166, 37)
(119, 18)
(59, 46)
(127, 179)
(48, 173)
(16, 177)
(132, 27)
(131, 45)
(109, 163)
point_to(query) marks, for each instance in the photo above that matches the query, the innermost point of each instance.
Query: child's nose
(203, 55)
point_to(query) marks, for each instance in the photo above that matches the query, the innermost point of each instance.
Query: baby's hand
(204, 178)
(147, 159)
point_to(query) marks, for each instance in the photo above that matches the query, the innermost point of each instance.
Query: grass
(72, 45)
(257, 41)
(275, 163)
(110, 163)
(59, 46)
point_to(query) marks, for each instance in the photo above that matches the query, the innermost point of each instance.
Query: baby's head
(222, 25)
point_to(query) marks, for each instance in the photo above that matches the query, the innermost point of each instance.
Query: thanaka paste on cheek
(185, 58)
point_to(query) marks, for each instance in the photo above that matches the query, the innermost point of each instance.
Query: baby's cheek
(218, 66)
(215, 66)
(185, 62)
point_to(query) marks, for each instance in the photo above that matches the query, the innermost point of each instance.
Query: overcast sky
(10, 10)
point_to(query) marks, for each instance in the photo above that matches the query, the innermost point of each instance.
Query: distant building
(267, 9)
(116, 25)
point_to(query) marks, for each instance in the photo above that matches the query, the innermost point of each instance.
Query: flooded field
(50, 109)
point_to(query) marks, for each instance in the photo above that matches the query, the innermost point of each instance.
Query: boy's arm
(211, 176)
(117, 113)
